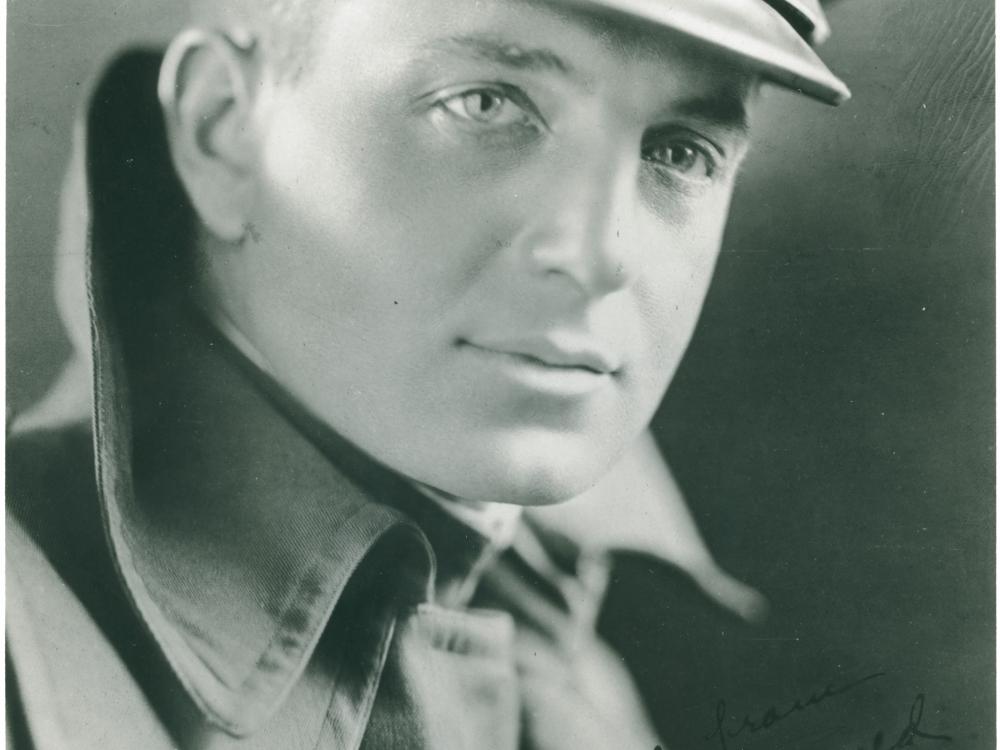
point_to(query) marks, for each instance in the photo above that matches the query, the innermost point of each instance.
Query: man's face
(482, 233)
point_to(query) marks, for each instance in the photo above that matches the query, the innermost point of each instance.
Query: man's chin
(544, 474)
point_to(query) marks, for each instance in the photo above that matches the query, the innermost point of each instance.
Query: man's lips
(556, 351)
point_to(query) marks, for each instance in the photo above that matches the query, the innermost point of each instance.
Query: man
(366, 281)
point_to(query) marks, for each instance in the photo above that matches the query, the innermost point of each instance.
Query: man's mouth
(555, 351)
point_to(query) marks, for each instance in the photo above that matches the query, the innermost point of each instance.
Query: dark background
(833, 424)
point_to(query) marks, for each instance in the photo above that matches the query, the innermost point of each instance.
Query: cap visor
(749, 32)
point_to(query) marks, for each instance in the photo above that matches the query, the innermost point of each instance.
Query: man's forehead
(530, 33)
(628, 35)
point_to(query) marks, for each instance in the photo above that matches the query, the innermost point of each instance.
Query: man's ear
(206, 90)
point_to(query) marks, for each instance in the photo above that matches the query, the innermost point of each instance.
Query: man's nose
(583, 229)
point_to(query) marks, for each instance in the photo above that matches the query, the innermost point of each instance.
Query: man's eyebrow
(726, 108)
(506, 53)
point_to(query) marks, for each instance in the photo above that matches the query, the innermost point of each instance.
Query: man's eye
(485, 107)
(682, 158)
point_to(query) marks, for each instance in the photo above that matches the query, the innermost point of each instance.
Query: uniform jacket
(194, 562)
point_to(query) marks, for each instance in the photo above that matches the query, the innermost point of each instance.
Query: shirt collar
(497, 522)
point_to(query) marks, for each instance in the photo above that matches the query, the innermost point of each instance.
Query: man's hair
(284, 29)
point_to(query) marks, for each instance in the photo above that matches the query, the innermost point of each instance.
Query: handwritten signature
(773, 715)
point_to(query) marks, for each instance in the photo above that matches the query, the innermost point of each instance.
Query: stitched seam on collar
(278, 663)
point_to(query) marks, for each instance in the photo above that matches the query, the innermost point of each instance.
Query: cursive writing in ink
(773, 715)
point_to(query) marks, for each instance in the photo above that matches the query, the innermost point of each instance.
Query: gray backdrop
(833, 422)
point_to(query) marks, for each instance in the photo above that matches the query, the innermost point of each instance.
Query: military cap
(773, 37)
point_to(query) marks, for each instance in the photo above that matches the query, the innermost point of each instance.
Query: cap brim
(748, 31)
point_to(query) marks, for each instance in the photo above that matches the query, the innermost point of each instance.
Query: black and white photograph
(500, 374)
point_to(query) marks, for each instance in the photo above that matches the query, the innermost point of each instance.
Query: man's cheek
(443, 243)
(669, 312)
